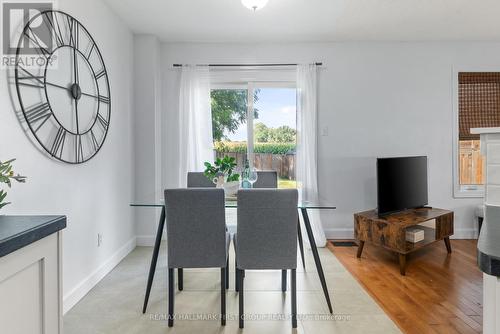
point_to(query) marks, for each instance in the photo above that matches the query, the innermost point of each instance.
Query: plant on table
(224, 166)
(6, 176)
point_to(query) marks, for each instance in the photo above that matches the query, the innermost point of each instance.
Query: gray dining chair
(198, 180)
(191, 242)
(269, 179)
(266, 179)
(266, 237)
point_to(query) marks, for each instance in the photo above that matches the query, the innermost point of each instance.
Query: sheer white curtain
(307, 143)
(195, 121)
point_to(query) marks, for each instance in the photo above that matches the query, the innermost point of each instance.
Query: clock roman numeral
(88, 54)
(34, 39)
(51, 22)
(76, 38)
(93, 138)
(28, 76)
(74, 32)
(58, 25)
(100, 74)
(58, 143)
(78, 149)
(102, 121)
(39, 112)
(104, 99)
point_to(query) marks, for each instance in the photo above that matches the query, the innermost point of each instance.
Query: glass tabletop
(233, 203)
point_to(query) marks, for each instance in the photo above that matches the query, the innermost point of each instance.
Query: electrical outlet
(99, 239)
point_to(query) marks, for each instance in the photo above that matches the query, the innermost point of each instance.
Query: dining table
(232, 202)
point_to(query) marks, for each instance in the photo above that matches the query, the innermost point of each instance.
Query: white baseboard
(465, 233)
(146, 240)
(348, 233)
(82, 288)
(339, 233)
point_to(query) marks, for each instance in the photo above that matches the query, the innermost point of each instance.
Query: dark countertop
(19, 231)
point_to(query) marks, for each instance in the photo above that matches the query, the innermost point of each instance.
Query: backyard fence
(471, 162)
(284, 164)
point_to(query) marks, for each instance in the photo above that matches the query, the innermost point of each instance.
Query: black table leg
(314, 249)
(301, 244)
(154, 259)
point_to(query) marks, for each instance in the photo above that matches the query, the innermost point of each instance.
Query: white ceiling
(313, 20)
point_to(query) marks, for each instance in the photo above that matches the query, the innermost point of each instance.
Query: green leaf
(3, 194)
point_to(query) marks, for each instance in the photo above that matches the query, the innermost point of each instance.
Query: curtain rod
(248, 65)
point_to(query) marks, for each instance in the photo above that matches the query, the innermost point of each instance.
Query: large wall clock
(65, 100)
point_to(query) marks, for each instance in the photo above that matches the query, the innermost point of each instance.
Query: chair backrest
(490, 232)
(196, 228)
(266, 179)
(198, 180)
(267, 229)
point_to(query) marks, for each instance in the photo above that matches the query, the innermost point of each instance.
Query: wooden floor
(439, 294)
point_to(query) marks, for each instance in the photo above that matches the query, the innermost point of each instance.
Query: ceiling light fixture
(254, 4)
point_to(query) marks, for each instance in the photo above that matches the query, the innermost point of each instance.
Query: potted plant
(222, 174)
(6, 176)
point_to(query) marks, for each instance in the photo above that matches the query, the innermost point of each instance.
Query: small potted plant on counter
(222, 174)
(6, 176)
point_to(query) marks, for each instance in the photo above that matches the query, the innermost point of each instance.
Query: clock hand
(75, 71)
(58, 86)
(75, 66)
(90, 95)
(76, 110)
(65, 88)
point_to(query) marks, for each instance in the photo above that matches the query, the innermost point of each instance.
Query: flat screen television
(401, 184)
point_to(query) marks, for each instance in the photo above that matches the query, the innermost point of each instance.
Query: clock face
(66, 98)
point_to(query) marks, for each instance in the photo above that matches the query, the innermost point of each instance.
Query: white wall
(147, 139)
(95, 196)
(377, 99)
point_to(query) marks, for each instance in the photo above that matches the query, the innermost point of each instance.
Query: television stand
(389, 231)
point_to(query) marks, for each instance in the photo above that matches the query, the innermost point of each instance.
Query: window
(478, 106)
(257, 120)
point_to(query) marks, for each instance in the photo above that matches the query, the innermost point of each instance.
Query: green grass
(287, 184)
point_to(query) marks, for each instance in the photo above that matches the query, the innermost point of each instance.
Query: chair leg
(283, 280)
(227, 272)
(301, 244)
(180, 278)
(294, 298)
(223, 296)
(171, 279)
(241, 314)
(236, 277)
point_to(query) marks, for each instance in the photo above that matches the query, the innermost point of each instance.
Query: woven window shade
(478, 102)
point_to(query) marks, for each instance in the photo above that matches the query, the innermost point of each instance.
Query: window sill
(469, 193)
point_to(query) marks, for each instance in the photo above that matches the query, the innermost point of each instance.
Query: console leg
(402, 264)
(360, 248)
(448, 244)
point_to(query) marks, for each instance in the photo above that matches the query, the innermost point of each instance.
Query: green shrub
(269, 148)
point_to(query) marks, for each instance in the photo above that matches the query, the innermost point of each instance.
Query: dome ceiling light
(254, 4)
